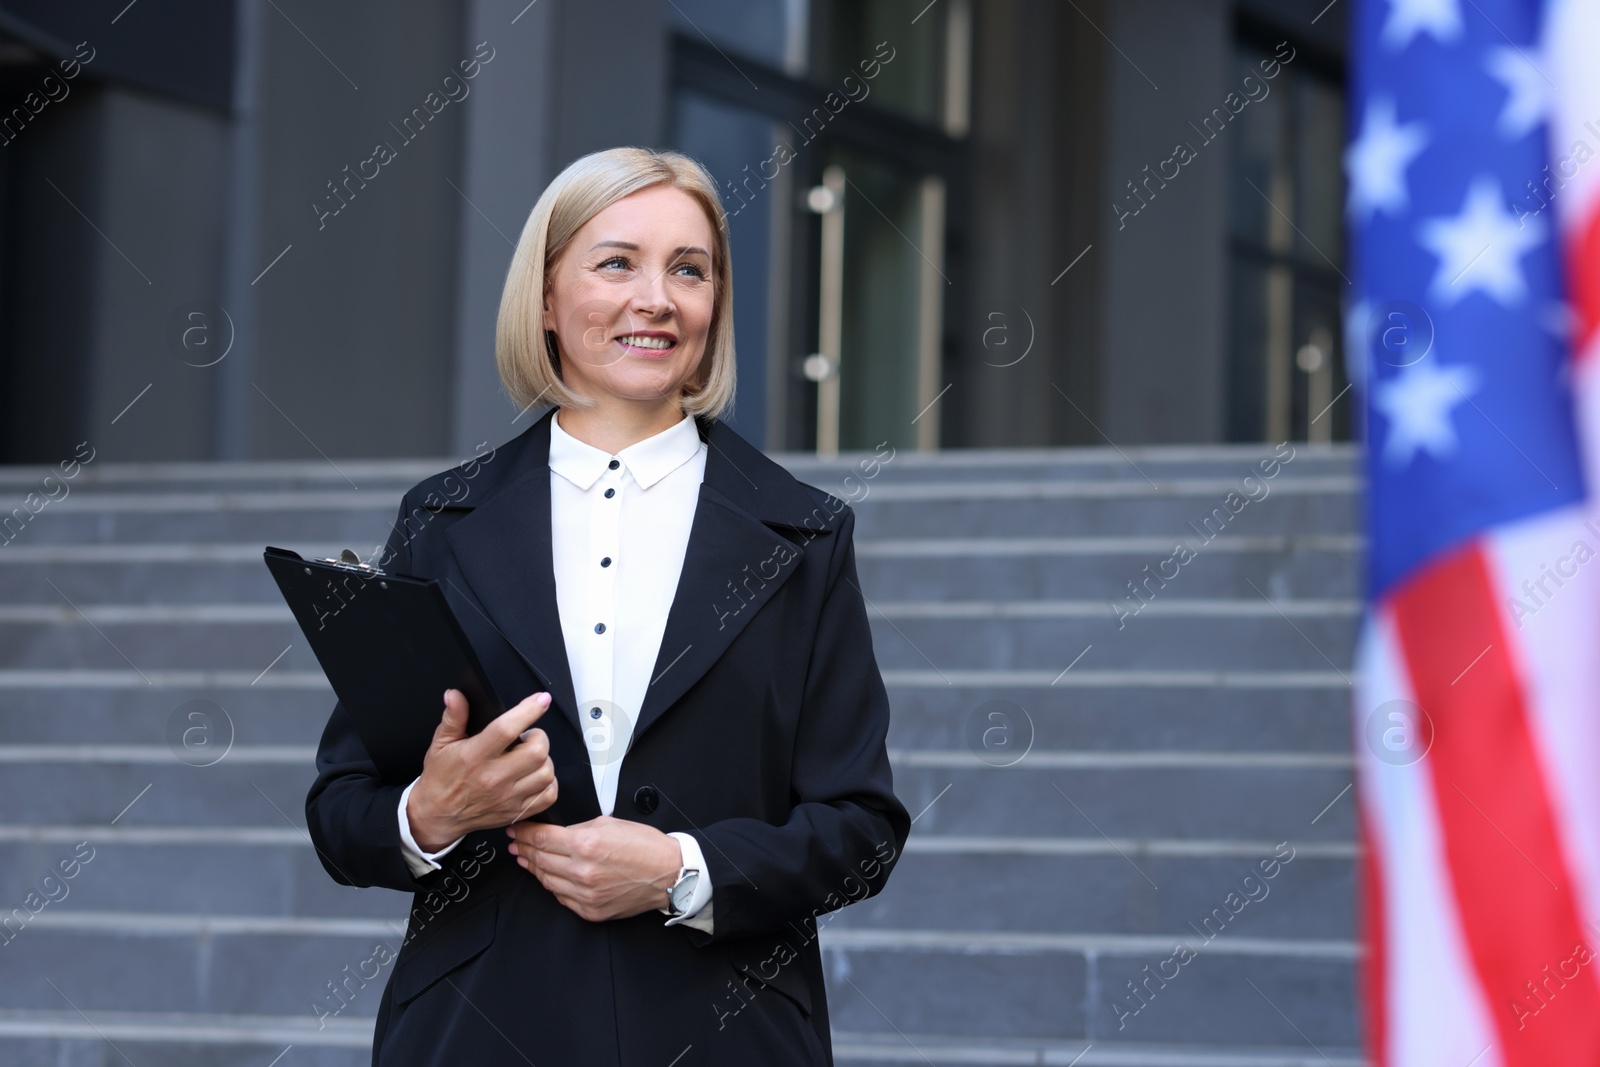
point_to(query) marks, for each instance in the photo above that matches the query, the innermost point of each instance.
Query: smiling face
(631, 298)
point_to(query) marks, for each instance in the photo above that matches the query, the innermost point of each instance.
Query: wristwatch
(682, 891)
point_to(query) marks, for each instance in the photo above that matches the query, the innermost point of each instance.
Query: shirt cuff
(698, 912)
(419, 861)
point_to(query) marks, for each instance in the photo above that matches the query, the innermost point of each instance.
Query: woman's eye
(698, 273)
(615, 259)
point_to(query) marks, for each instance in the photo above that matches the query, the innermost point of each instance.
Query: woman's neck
(612, 425)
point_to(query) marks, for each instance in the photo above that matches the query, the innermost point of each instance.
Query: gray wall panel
(355, 321)
(1166, 296)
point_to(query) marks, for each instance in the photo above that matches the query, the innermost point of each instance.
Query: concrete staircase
(1097, 778)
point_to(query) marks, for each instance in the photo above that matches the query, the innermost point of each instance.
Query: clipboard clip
(348, 560)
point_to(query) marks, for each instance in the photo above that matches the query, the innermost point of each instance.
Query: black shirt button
(645, 798)
(610, 493)
(606, 562)
(594, 713)
(613, 464)
(599, 627)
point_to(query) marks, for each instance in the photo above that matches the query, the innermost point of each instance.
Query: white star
(1417, 403)
(1407, 18)
(1480, 248)
(1525, 107)
(1377, 161)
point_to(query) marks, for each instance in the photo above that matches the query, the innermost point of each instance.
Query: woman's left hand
(606, 868)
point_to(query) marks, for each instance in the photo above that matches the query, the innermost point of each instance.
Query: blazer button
(645, 798)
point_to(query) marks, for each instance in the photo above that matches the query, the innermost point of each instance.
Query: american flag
(1474, 214)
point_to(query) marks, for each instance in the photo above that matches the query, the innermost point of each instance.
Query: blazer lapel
(733, 565)
(505, 551)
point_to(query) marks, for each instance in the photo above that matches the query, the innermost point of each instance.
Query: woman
(639, 881)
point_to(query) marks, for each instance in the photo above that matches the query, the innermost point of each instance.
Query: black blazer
(762, 733)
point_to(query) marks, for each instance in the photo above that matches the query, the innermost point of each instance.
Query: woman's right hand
(478, 782)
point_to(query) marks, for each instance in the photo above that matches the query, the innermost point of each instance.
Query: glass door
(880, 305)
(837, 135)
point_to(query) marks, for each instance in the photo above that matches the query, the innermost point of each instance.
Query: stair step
(1097, 885)
(918, 1050)
(1238, 634)
(44, 1039)
(1158, 463)
(66, 707)
(976, 568)
(1201, 509)
(1267, 803)
(882, 983)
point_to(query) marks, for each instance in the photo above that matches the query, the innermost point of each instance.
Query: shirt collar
(648, 461)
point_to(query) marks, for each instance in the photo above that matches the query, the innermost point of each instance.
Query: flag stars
(1481, 248)
(1377, 161)
(1527, 90)
(1407, 18)
(1417, 403)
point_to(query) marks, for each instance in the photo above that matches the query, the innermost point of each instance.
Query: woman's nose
(650, 296)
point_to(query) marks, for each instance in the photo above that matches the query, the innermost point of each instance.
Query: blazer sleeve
(350, 811)
(846, 828)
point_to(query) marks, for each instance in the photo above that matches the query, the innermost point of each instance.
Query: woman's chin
(642, 388)
(645, 381)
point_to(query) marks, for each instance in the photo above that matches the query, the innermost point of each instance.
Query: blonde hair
(528, 362)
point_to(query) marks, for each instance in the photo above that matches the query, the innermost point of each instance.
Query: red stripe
(1583, 279)
(1512, 883)
(1374, 968)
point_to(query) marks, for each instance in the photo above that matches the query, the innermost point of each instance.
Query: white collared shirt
(619, 532)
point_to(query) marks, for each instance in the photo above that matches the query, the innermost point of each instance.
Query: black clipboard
(390, 646)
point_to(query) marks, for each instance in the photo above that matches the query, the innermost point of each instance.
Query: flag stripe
(1433, 1007)
(1512, 885)
(1547, 572)
(1583, 274)
(1374, 973)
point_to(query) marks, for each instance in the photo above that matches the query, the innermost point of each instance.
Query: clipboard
(390, 646)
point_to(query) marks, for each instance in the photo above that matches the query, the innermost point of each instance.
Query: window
(1286, 376)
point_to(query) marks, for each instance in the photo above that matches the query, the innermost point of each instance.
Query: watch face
(683, 890)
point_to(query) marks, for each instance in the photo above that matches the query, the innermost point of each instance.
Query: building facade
(274, 229)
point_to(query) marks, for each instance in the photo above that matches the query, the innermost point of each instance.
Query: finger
(522, 833)
(535, 746)
(533, 784)
(453, 721)
(540, 802)
(521, 762)
(509, 724)
(552, 840)
(542, 864)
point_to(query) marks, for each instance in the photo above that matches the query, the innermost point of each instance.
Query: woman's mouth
(651, 346)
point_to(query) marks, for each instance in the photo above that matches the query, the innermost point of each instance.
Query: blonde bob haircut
(528, 362)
